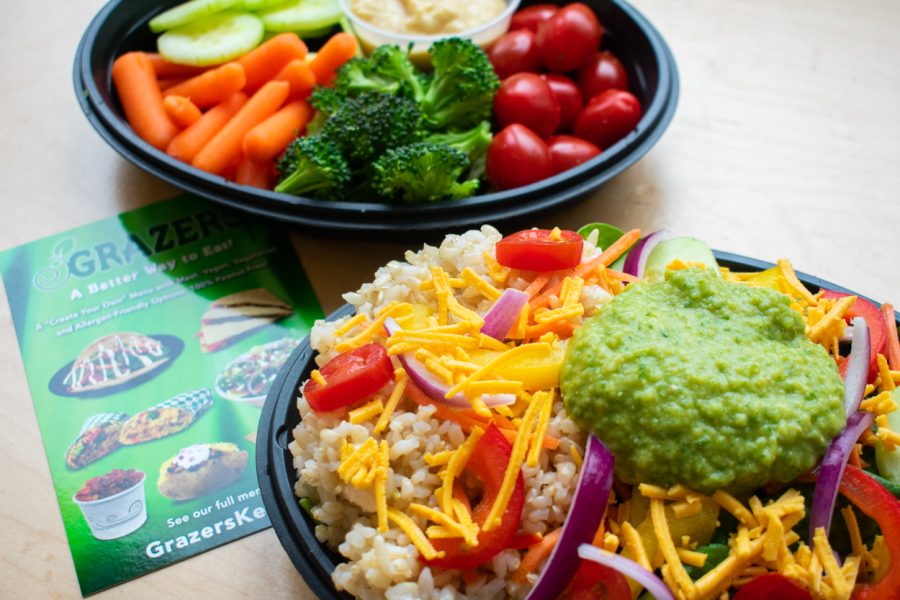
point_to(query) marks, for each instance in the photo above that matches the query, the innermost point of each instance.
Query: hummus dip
(427, 17)
(703, 382)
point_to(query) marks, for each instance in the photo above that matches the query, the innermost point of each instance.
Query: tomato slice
(488, 464)
(772, 586)
(877, 328)
(593, 581)
(350, 377)
(538, 250)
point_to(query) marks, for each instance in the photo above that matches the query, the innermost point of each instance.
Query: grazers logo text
(67, 261)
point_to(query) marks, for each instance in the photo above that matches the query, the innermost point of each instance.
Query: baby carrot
(182, 111)
(263, 62)
(189, 142)
(165, 69)
(255, 174)
(211, 87)
(340, 48)
(141, 99)
(168, 82)
(269, 139)
(226, 145)
(298, 74)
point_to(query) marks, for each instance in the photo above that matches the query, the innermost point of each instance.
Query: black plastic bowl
(274, 463)
(121, 26)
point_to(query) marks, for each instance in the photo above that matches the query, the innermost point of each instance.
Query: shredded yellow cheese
(540, 430)
(884, 374)
(732, 505)
(376, 327)
(516, 458)
(634, 545)
(834, 316)
(670, 554)
(365, 412)
(455, 466)
(358, 319)
(576, 455)
(486, 289)
(316, 376)
(443, 519)
(415, 535)
(692, 558)
(684, 509)
(538, 348)
(381, 487)
(400, 379)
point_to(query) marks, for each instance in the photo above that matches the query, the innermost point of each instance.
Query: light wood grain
(785, 143)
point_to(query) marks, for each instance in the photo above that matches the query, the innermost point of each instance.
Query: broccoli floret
(313, 166)
(326, 101)
(474, 142)
(357, 76)
(462, 88)
(423, 172)
(388, 71)
(364, 127)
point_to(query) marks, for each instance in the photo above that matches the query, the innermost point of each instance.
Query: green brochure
(149, 342)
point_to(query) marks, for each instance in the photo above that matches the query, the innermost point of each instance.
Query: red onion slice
(831, 469)
(636, 261)
(433, 386)
(585, 514)
(504, 313)
(857, 366)
(628, 568)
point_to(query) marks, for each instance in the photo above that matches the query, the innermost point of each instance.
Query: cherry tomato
(515, 52)
(488, 465)
(569, 38)
(537, 250)
(350, 377)
(596, 582)
(526, 98)
(567, 96)
(567, 151)
(602, 72)
(532, 16)
(772, 586)
(517, 157)
(608, 118)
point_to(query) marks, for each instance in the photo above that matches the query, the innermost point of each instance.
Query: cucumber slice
(213, 40)
(254, 5)
(682, 248)
(302, 15)
(888, 461)
(188, 13)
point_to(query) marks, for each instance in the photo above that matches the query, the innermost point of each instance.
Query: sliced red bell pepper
(883, 508)
(877, 330)
(488, 464)
(772, 586)
(594, 581)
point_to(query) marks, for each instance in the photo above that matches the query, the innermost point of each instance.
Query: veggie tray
(123, 28)
(740, 547)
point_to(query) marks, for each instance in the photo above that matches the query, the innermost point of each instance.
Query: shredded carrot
(606, 258)
(854, 457)
(563, 329)
(468, 420)
(613, 274)
(893, 343)
(536, 555)
(534, 288)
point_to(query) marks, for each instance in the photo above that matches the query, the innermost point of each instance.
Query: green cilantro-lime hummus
(698, 381)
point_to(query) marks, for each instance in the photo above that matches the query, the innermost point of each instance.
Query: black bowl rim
(290, 523)
(384, 217)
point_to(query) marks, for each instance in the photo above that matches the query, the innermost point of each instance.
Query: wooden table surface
(785, 144)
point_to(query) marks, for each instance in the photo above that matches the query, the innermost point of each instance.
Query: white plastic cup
(118, 515)
(372, 36)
